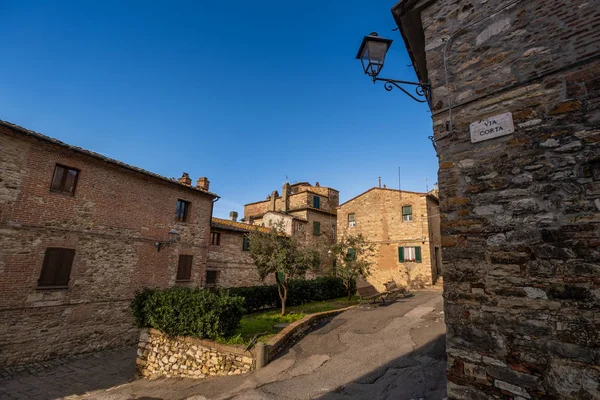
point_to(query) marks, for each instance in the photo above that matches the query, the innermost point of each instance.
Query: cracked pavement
(395, 352)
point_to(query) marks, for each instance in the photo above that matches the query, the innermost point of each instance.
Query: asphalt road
(388, 352)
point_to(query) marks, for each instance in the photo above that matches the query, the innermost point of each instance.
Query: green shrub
(188, 311)
(300, 292)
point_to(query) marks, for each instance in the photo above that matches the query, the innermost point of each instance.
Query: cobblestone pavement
(69, 376)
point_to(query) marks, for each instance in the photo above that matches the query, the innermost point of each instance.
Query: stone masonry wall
(378, 216)
(235, 265)
(520, 213)
(162, 356)
(112, 223)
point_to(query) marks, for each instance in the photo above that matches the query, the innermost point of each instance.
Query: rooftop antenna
(399, 183)
(426, 186)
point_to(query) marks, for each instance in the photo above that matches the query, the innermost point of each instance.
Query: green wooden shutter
(316, 228)
(418, 253)
(316, 202)
(351, 255)
(401, 254)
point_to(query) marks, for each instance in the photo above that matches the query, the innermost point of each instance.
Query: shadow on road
(420, 374)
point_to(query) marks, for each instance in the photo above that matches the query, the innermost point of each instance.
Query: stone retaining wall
(162, 356)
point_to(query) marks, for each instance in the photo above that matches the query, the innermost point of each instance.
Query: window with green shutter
(406, 213)
(316, 202)
(246, 244)
(316, 228)
(409, 254)
(351, 255)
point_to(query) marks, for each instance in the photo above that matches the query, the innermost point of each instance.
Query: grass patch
(262, 323)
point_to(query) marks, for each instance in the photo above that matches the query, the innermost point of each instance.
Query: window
(316, 202)
(215, 238)
(316, 228)
(211, 279)
(182, 210)
(351, 221)
(333, 232)
(409, 254)
(351, 254)
(406, 213)
(56, 268)
(64, 179)
(184, 270)
(246, 244)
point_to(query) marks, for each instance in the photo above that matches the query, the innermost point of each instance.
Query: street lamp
(371, 54)
(173, 235)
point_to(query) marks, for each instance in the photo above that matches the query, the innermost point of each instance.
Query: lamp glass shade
(173, 235)
(372, 52)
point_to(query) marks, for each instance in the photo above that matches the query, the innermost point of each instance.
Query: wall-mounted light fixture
(172, 238)
(372, 52)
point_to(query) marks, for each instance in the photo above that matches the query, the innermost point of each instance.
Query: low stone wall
(162, 356)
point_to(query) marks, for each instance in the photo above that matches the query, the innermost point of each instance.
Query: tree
(275, 253)
(352, 255)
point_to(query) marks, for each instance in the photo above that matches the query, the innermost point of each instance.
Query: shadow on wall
(420, 374)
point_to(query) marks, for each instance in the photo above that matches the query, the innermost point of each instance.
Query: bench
(371, 294)
(395, 290)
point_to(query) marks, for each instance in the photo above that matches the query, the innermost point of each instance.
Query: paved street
(392, 352)
(70, 376)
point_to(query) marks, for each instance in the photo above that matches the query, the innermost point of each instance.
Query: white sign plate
(493, 127)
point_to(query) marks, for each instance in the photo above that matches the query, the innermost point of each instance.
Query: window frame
(410, 215)
(317, 202)
(214, 235)
(352, 223)
(64, 179)
(188, 275)
(66, 255)
(402, 251)
(216, 274)
(316, 228)
(246, 243)
(186, 210)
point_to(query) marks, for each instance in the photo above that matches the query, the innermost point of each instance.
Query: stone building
(229, 262)
(516, 120)
(306, 211)
(80, 233)
(405, 229)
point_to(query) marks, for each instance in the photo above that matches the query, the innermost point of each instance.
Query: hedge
(188, 311)
(300, 291)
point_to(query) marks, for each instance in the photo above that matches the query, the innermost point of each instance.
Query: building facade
(80, 233)
(404, 227)
(516, 112)
(229, 261)
(306, 211)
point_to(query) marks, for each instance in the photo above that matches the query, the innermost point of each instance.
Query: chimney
(185, 179)
(385, 187)
(202, 183)
(285, 199)
(233, 216)
(379, 179)
(273, 199)
(317, 184)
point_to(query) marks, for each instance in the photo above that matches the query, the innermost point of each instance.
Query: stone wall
(234, 265)
(112, 223)
(520, 213)
(162, 356)
(378, 216)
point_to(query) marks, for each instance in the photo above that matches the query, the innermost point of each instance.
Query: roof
(100, 157)
(236, 226)
(285, 215)
(391, 190)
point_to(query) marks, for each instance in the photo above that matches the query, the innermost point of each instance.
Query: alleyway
(392, 352)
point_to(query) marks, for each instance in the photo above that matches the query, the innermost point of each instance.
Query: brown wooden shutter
(64, 272)
(184, 270)
(56, 269)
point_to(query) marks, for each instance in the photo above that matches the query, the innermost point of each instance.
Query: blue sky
(244, 93)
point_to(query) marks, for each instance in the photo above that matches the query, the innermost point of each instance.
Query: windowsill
(66, 194)
(183, 281)
(51, 287)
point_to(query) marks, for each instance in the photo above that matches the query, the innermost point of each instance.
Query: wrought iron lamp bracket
(422, 90)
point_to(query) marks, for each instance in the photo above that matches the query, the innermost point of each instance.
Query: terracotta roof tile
(236, 226)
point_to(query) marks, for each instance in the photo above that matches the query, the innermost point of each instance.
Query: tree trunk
(282, 296)
(347, 284)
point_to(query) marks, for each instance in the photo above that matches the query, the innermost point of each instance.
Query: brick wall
(378, 216)
(112, 223)
(520, 213)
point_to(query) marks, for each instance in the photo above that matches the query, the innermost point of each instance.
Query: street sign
(493, 127)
